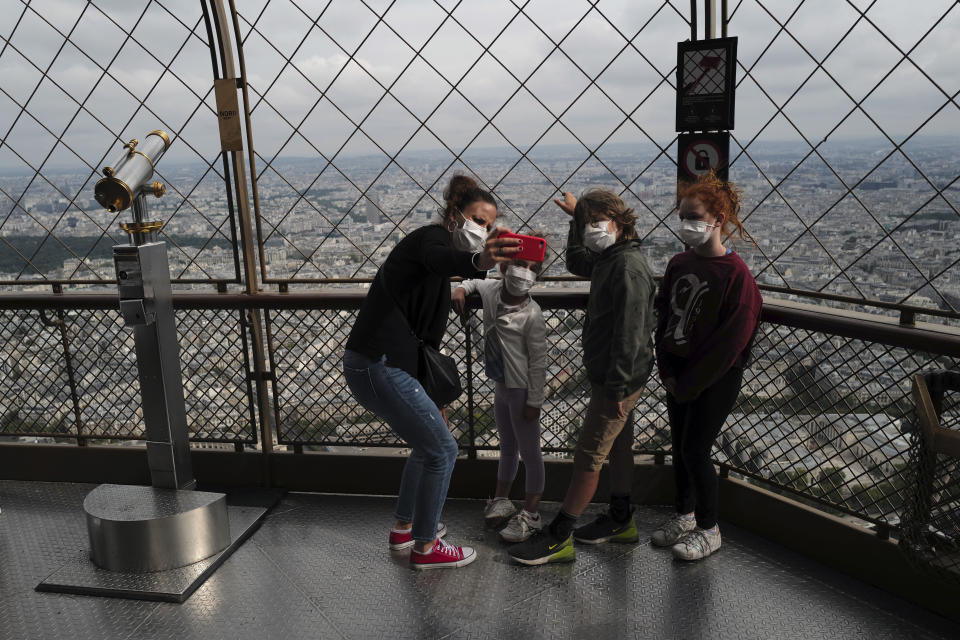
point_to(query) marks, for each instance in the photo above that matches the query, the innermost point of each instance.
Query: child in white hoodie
(515, 357)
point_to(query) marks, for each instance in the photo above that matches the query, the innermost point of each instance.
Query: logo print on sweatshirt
(686, 300)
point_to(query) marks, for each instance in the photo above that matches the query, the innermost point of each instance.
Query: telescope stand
(158, 542)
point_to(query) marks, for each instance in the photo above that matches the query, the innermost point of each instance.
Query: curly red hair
(718, 197)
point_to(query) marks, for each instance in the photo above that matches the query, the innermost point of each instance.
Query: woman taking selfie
(409, 303)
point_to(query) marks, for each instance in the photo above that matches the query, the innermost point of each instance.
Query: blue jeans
(399, 399)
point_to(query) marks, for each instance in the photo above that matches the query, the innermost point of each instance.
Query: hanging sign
(706, 71)
(228, 114)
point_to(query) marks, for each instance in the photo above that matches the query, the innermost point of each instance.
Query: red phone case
(532, 248)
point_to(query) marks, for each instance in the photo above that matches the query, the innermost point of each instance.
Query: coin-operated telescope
(129, 174)
(143, 529)
(127, 181)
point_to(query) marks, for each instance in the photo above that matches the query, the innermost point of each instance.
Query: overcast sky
(633, 81)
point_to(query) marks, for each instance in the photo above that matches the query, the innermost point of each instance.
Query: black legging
(694, 426)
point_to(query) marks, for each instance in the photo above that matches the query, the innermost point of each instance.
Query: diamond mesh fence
(76, 81)
(821, 417)
(73, 373)
(108, 388)
(362, 109)
(842, 146)
(845, 117)
(369, 107)
(215, 362)
(34, 386)
(827, 417)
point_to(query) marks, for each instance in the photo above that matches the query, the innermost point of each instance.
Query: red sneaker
(443, 556)
(404, 540)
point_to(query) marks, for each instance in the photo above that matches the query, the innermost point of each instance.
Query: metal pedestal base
(81, 576)
(139, 529)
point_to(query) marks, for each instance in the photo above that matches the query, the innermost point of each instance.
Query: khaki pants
(600, 434)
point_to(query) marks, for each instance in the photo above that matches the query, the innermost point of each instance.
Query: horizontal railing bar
(124, 437)
(108, 283)
(879, 304)
(808, 495)
(399, 445)
(801, 293)
(930, 338)
(837, 322)
(321, 281)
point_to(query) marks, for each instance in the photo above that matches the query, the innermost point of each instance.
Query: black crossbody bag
(437, 373)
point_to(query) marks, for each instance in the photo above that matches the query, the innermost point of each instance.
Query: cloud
(904, 100)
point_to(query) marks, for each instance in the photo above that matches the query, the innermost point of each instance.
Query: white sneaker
(521, 526)
(498, 511)
(697, 544)
(670, 531)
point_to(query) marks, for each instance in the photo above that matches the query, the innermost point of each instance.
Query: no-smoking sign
(701, 152)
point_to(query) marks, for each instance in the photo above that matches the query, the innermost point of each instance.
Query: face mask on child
(695, 232)
(470, 236)
(518, 280)
(597, 237)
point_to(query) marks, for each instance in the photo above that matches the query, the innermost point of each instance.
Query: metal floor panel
(40, 527)
(80, 576)
(319, 568)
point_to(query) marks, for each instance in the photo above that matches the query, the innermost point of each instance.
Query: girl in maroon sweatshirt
(708, 307)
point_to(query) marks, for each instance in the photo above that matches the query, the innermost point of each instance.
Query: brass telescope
(128, 179)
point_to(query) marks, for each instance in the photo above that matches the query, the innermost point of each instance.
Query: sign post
(706, 72)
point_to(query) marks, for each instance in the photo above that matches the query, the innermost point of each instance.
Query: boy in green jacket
(618, 354)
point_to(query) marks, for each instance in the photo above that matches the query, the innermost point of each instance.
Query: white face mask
(695, 232)
(470, 236)
(519, 280)
(597, 236)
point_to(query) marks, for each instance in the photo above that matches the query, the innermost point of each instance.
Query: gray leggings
(519, 438)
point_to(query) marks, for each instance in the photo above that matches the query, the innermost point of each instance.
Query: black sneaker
(543, 548)
(606, 529)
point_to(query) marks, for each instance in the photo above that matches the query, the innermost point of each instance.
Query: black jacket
(618, 329)
(415, 281)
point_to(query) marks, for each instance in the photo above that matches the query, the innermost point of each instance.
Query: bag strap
(383, 282)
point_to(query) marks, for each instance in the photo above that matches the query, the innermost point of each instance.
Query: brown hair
(607, 202)
(461, 192)
(718, 197)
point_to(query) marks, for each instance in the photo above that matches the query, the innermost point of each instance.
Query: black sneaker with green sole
(543, 548)
(606, 529)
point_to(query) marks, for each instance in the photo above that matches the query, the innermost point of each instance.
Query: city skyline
(323, 225)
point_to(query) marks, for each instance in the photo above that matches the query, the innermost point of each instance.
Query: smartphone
(532, 248)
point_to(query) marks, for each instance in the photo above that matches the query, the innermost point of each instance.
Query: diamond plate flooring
(319, 568)
(80, 576)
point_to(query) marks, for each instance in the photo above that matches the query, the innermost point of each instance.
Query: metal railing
(931, 522)
(824, 414)
(69, 371)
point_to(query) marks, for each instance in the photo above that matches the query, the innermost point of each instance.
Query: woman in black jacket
(410, 299)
